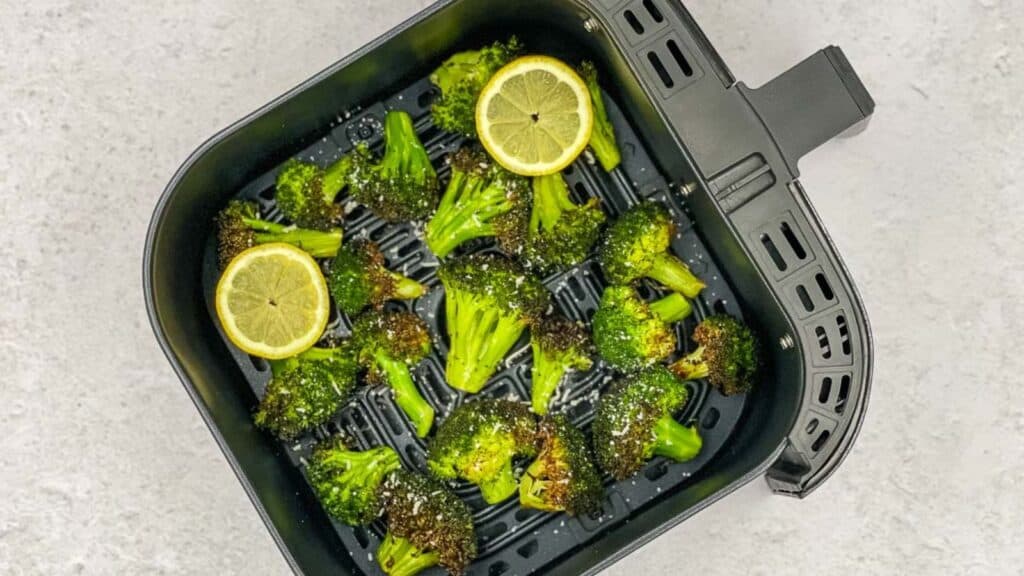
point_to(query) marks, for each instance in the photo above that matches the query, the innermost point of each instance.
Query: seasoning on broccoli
(489, 301)
(637, 246)
(634, 422)
(359, 278)
(239, 228)
(602, 138)
(348, 482)
(726, 354)
(631, 334)
(481, 200)
(477, 443)
(427, 526)
(305, 192)
(389, 344)
(403, 185)
(563, 477)
(559, 346)
(461, 78)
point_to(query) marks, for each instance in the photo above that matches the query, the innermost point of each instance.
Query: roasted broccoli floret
(562, 478)
(239, 228)
(477, 443)
(348, 482)
(427, 526)
(305, 192)
(389, 344)
(726, 354)
(559, 345)
(634, 422)
(481, 200)
(461, 78)
(305, 391)
(403, 185)
(360, 278)
(631, 334)
(489, 301)
(602, 138)
(637, 246)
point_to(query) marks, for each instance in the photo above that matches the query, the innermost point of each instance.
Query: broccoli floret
(631, 334)
(239, 228)
(359, 278)
(305, 391)
(602, 138)
(427, 526)
(477, 443)
(389, 345)
(634, 422)
(481, 200)
(403, 186)
(559, 345)
(461, 78)
(562, 478)
(305, 192)
(637, 246)
(726, 354)
(348, 482)
(489, 301)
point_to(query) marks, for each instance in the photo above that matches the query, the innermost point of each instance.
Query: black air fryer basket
(722, 156)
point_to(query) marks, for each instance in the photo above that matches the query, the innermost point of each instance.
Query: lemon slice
(534, 116)
(272, 301)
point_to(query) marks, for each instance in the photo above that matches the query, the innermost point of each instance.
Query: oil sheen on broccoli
(637, 246)
(602, 138)
(477, 443)
(726, 355)
(634, 422)
(559, 346)
(359, 278)
(562, 477)
(461, 78)
(348, 482)
(489, 301)
(305, 192)
(239, 228)
(631, 334)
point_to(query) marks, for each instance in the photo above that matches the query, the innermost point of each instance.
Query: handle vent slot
(633, 22)
(680, 58)
(660, 70)
(653, 10)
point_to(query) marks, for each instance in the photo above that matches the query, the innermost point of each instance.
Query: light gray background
(106, 468)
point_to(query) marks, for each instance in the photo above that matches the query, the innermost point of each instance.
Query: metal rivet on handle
(687, 189)
(786, 342)
(591, 25)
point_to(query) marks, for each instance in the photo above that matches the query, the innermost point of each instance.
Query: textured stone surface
(106, 468)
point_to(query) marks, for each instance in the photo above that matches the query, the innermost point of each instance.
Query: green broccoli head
(389, 344)
(562, 478)
(403, 185)
(727, 355)
(482, 200)
(348, 482)
(631, 334)
(602, 138)
(239, 228)
(637, 246)
(489, 301)
(305, 192)
(461, 78)
(360, 278)
(307, 390)
(634, 422)
(477, 443)
(559, 345)
(427, 526)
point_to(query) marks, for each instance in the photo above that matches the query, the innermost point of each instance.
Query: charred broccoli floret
(562, 478)
(403, 185)
(726, 354)
(637, 246)
(477, 443)
(602, 138)
(359, 278)
(348, 482)
(427, 526)
(461, 78)
(634, 422)
(305, 391)
(305, 192)
(481, 200)
(389, 344)
(489, 301)
(559, 345)
(631, 334)
(239, 228)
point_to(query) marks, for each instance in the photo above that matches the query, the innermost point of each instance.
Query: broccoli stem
(500, 487)
(675, 441)
(691, 366)
(532, 489)
(673, 273)
(465, 215)
(546, 376)
(404, 150)
(671, 308)
(479, 341)
(335, 177)
(407, 288)
(550, 199)
(398, 557)
(604, 147)
(407, 396)
(318, 244)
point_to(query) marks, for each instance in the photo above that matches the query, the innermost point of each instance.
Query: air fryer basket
(720, 155)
